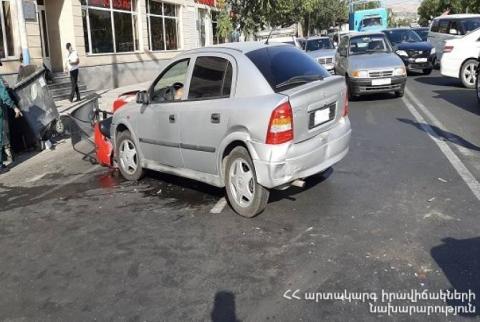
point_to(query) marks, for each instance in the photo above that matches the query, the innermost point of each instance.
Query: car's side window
(170, 86)
(443, 26)
(211, 78)
(434, 26)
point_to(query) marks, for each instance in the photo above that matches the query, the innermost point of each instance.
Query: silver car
(369, 65)
(321, 49)
(245, 116)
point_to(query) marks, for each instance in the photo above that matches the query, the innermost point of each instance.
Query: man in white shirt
(72, 63)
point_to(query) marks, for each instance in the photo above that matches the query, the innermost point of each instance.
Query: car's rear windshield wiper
(302, 79)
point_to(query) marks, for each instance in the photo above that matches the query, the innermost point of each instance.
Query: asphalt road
(400, 213)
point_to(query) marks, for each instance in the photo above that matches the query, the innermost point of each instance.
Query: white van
(451, 27)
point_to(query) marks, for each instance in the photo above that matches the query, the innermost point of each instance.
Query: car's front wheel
(468, 73)
(246, 196)
(128, 157)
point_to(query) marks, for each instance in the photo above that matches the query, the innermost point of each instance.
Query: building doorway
(43, 25)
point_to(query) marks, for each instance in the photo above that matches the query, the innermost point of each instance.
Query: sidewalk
(106, 97)
(30, 165)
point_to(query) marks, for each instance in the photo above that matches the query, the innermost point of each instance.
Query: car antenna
(269, 35)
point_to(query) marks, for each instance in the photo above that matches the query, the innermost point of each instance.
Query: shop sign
(122, 4)
(210, 3)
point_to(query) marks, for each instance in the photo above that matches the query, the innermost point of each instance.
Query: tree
(224, 22)
(430, 9)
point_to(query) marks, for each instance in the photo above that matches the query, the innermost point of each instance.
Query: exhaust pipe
(298, 183)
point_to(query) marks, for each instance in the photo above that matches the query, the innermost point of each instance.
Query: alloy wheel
(242, 184)
(470, 74)
(128, 157)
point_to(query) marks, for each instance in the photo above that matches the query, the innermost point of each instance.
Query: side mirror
(143, 98)
(395, 48)
(453, 32)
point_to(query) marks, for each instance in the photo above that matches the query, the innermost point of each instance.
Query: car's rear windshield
(281, 64)
(318, 44)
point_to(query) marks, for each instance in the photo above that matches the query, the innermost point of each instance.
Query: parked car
(369, 65)
(415, 53)
(289, 40)
(422, 32)
(321, 49)
(459, 58)
(451, 27)
(249, 117)
(478, 80)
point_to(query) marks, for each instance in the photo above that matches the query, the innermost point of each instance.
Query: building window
(162, 21)
(216, 37)
(110, 26)
(6, 32)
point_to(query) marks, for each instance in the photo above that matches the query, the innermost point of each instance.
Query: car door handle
(171, 118)
(215, 118)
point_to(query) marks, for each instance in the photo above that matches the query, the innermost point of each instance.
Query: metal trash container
(36, 103)
(79, 124)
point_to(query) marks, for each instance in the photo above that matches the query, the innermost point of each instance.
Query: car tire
(351, 96)
(478, 87)
(246, 196)
(468, 73)
(128, 157)
(427, 71)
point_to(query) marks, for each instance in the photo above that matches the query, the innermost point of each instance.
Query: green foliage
(254, 15)
(430, 9)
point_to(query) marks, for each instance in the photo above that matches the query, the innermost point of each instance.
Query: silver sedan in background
(246, 116)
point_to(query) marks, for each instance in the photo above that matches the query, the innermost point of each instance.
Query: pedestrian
(72, 64)
(6, 102)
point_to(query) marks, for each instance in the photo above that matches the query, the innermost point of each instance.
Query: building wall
(101, 71)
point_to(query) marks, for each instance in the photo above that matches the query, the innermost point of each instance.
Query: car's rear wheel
(468, 73)
(128, 158)
(246, 196)
(478, 87)
(427, 71)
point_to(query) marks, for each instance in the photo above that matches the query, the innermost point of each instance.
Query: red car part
(103, 144)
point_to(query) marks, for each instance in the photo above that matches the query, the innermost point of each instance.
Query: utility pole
(23, 32)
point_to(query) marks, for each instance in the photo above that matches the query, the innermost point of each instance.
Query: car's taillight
(280, 129)
(346, 105)
(448, 49)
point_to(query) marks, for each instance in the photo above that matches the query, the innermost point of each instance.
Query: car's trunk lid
(316, 106)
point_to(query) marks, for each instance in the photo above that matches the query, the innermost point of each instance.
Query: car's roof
(364, 34)
(458, 16)
(243, 47)
(315, 38)
(398, 28)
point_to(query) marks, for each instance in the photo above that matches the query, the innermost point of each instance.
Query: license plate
(421, 60)
(321, 116)
(382, 81)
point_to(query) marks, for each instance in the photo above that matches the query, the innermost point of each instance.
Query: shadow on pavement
(277, 195)
(459, 259)
(441, 134)
(224, 307)
(375, 97)
(465, 99)
(440, 81)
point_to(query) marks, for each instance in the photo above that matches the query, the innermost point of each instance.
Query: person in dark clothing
(72, 64)
(5, 100)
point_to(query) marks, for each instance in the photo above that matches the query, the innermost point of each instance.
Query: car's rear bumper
(278, 165)
(364, 86)
(450, 66)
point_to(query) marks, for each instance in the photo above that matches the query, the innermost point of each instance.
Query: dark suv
(415, 53)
